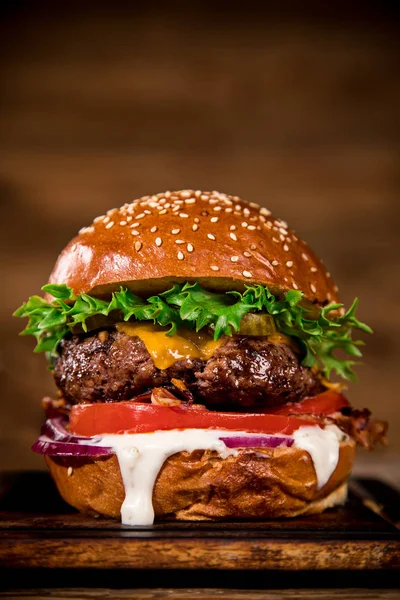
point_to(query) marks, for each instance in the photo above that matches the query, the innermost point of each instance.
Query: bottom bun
(262, 484)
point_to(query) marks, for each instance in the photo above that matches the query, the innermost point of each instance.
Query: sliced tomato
(323, 404)
(137, 417)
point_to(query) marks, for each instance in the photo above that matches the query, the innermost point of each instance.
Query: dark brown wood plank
(203, 594)
(203, 553)
(40, 531)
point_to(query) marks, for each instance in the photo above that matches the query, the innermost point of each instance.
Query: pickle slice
(257, 324)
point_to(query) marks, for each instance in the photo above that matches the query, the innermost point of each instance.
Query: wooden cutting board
(37, 529)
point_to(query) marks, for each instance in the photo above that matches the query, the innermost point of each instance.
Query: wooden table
(49, 550)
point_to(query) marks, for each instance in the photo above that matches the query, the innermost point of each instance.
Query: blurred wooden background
(292, 108)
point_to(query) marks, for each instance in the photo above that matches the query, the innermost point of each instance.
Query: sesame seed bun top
(219, 240)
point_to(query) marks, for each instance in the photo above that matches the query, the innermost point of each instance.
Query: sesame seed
(176, 208)
(135, 232)
(305, 257)
(286, 248)
(86, 230)
(162, 212)
(190, 248)
(238, 207)
(138, 245)
(175, 231)
(336, 289)
(97, 219)
(295, 286)
(154, 204)
(141, 215)
(234, 258)
(283, 231)
(313, 269)
(167, 205)
(204, 197)
(262, 219)
(214, 268)
(195, 227)
(232, 227)
(109, 225)
(181, 256)
(185, 194)
(275, 263)
(253, 219)
(134, 225)
(229, 209)
(70, 471)
(246, 212)
(247, 274)
(213, 201)
(122, 223)
(210, 236)
(196, 220)
(233, 236)
(190, 201)
(253, 205)
(282, 238)
(129, 219)
(253, 247)
(313, 288)
(244, 224)
(251, 227)
(158, 241)
(147, 212)
(106, 219)
(289, 263)
(183, 215)
(247, 254)
(153, 229)
(214, 219)
(265, 212)
(179, 241)
(217, 208)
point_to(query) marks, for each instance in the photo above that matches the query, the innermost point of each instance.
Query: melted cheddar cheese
(189, 344)
(165, 350)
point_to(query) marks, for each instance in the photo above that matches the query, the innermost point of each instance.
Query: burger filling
(242, 371)
(242, 352)
(192, 370)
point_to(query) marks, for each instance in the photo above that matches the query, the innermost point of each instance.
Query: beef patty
(249, 372)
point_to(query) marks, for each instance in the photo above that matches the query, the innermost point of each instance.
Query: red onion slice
(47, 446)
(55, 430)
(257, 441)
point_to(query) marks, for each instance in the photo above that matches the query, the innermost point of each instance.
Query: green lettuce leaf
(319, 335)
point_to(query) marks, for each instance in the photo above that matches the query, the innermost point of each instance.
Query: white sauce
(141, 457)
(323, 447)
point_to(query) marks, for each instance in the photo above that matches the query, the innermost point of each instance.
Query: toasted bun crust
(218, 240)
(262, 484)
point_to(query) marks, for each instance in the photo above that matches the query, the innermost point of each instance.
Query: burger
(196, 344)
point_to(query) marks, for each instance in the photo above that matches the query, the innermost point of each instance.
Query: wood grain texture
(45, 533)
(127, 553)
(202, 594)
